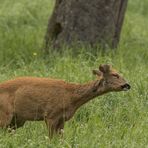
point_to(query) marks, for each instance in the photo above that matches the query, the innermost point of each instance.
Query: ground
(115, 120)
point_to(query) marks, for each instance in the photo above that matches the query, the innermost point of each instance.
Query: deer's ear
(105, 68)
(97, 72)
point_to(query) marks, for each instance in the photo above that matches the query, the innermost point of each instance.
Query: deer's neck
(86, 92)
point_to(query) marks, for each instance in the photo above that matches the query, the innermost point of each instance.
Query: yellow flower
(35, 54)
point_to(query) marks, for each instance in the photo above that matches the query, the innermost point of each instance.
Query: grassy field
(115, 120)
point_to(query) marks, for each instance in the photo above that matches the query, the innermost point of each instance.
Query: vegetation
(114, 120)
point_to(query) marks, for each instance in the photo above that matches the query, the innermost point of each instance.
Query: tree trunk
(86, 21)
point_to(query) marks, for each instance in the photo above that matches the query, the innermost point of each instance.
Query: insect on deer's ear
(97, 72)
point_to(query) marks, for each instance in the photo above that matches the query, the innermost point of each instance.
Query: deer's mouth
(125, 87)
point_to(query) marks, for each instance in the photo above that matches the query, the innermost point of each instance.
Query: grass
(115, 120)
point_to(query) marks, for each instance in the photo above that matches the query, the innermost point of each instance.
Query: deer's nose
(126, 86)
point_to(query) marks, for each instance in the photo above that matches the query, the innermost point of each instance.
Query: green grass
(115, 120)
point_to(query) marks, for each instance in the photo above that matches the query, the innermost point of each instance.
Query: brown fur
(55, 101)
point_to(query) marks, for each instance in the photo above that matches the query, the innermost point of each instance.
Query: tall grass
(113, 120)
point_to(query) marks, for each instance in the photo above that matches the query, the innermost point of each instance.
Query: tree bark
(86, 21)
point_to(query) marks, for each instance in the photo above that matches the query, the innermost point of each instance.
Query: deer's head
(110, 79)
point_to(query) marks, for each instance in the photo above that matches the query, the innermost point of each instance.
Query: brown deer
(55, 101)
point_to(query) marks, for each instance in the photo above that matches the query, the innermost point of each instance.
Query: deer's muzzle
(126, 87)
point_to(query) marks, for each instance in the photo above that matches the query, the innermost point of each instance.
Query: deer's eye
(116, 75)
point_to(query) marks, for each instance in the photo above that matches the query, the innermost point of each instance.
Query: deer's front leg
(54, 127)
(60, 127)
(51, 127)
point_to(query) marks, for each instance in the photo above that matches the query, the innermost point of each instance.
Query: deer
(52, 100)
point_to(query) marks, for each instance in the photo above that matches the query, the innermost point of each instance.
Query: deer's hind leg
(16, 123)
(6, 111)
(5, 118)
